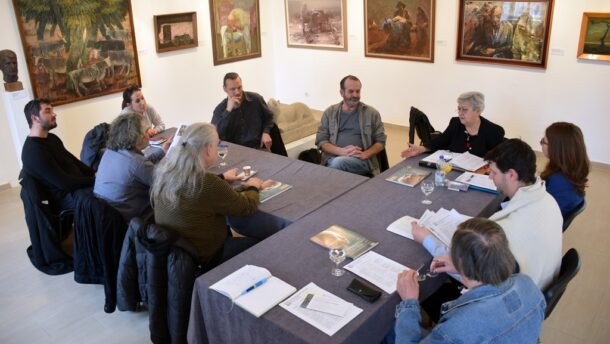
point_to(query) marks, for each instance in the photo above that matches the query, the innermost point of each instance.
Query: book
(442, 224)
(254, 289)
(272, 188)
(409, 176)
(334, 236)
(321, 317)
(163, 136)
(460, 161)
(478, 182)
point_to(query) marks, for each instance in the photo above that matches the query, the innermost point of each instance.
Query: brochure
(272, 188)
(409, 176)
(355, 244)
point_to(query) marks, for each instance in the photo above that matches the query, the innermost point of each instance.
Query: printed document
(377, 269)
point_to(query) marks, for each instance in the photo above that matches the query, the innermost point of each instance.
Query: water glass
(427, 187)
(223, 150)
(337, 255)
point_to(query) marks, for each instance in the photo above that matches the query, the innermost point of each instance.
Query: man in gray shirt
(351, 133)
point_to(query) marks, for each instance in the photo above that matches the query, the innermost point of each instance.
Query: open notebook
(254, 289)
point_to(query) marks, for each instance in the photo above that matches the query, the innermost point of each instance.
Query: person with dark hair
(243, 117)
(531, 219)
(498, 307)
(133, 101)
(125, 175)
(351, 133)
(45, 158)
(568, 167)
(468, 132)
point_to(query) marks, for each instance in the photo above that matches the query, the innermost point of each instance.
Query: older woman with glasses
(566, 172)
(468, 132)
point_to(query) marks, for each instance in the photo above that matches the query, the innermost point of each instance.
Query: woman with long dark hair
(568, 168)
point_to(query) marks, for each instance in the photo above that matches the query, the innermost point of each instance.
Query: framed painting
(594, 41)
(318, 24)
(175, 31)
(399, 29)
(236, 32)
(505, 32)
(78, 50)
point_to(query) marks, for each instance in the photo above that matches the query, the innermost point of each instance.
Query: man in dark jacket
(45, 158)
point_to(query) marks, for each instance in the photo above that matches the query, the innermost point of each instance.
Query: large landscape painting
(78, 50)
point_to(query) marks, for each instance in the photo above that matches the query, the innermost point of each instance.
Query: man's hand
(412, 151)
(419, 232)
(266, 141)
(407, 285)
(351, 150)
(443, 264)
(257, 183)
(231, 175)
(233, 103)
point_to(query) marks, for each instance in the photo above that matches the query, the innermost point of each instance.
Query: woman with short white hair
(468, 132)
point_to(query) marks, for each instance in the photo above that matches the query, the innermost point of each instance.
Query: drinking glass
(337, 255)
(427, 187)
(223, 150)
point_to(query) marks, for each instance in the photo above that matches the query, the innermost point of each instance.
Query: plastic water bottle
(439, 175)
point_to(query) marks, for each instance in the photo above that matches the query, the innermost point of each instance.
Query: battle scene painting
(402, 29)
(507, 32)
(76, 52)
(320, 24)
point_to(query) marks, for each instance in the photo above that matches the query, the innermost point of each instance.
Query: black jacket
(159, 268)
(94, 145)
(99, 230)
(46, 227)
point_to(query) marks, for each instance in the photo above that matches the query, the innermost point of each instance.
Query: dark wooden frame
(162, 19)
(340, 47)
(368, 26)
(581, 54)
(217, 48)
(44, 83)
(460, 55)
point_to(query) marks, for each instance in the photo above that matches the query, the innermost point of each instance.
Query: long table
(367, 209)
(313, 185)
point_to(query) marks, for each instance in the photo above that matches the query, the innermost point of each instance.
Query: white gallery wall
(185, 86)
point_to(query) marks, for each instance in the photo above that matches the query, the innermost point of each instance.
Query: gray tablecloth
(291, 256)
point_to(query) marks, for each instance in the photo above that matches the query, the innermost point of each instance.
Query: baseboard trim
(5, 186)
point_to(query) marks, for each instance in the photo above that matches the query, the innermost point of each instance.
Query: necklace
(467, 143)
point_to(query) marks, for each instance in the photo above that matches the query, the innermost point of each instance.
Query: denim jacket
(370, 124)
(511, 312)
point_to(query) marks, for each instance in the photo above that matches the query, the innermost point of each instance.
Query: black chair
(570, 265)
(418, 121)
(569, 217)
(94, 145)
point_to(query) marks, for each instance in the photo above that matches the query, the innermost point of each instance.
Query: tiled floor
(36, 308)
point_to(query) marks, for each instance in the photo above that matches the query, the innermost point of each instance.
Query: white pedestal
(14, 102)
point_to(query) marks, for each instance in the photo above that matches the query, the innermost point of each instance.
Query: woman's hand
(413, 150)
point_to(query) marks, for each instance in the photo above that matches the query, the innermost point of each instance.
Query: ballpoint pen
(254, 286)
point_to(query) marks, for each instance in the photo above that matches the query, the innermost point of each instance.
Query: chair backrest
(569, 217)
(418, 121)
(570, 265)
(94, 145)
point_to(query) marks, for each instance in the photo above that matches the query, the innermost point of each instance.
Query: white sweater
(533, 225)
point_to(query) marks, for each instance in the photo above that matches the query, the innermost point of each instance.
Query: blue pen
(254, 286)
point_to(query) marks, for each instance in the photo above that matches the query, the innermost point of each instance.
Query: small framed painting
(318, 24)
(175, 31)
(594, 41)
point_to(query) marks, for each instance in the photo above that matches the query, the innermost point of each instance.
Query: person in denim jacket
(498, 308)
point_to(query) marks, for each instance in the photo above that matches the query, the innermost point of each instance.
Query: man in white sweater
(531, 219)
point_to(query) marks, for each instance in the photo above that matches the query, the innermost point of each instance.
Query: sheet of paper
(478, 180)
(324, 322)
(434, 157)
(444, 224)
(324, 304)
(377, 269)
(402, 226)
(467, 161)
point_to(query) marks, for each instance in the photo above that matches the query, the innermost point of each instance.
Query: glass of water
(223, 150)
(427, 187)
(337, 255)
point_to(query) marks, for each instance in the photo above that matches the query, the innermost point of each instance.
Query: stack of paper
(377, 269)
(463, 161)
(478, 181)
(442, 224)
(321, 309)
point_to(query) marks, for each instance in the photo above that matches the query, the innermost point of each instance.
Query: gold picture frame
(320, 24)
(595, 26)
